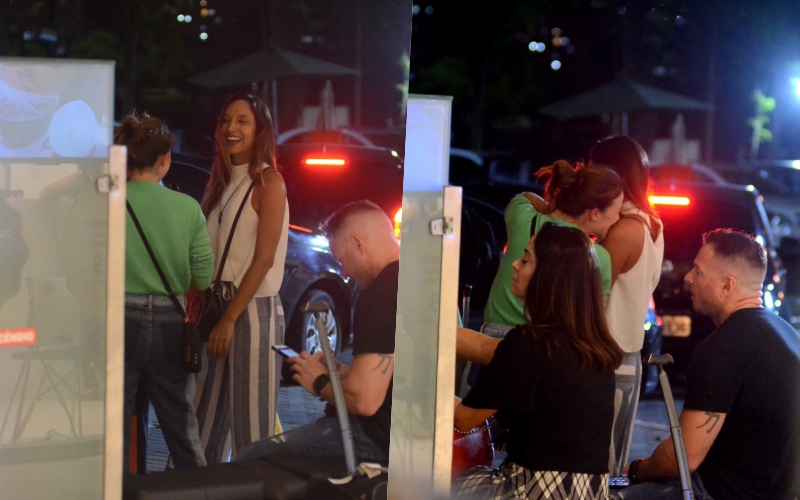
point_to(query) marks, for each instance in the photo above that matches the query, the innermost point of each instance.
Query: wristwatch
(633, 471)
(320, 382)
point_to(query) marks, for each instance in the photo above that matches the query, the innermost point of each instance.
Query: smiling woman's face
(238, 131)
(523, 270)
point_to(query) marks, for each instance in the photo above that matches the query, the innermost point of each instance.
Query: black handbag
(193, 360)
(206, 309)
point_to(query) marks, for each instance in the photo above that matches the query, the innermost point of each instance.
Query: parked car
(314, 189)
(681, 173)
(688, 210)
(778, 181)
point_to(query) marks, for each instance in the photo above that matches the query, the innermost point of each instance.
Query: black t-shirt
(749, 369)
(558, 416)
(373, 332)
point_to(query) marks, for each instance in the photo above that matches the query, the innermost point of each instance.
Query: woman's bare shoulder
(626, 229)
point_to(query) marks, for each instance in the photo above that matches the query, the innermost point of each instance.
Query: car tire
(302, 334)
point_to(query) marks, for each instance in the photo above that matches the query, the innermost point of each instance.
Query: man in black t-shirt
(362, 239)
(740, 419)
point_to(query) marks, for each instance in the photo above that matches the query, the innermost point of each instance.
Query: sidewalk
(297, 407)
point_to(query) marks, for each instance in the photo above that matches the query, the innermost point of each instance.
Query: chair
(53, 311)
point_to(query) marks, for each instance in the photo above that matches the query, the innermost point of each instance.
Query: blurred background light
(556, 65)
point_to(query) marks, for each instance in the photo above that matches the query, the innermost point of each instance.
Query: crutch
(661, 361)
(318, 308)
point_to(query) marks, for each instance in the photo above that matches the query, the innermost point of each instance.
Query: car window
(465, 171)
(785, 180)
(511, 171)
(186, 179)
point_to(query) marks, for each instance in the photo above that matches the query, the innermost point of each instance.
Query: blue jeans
(154, 356)
(663, 489)
(317, 439)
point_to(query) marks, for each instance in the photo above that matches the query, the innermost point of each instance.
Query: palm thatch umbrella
(268, 64)
(620, 96)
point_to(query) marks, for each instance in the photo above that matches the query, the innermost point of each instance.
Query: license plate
(676, 326)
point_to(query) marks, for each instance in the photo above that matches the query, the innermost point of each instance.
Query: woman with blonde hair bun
(175, 229)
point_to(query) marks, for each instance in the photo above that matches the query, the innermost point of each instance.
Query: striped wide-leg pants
(236, 397)
(628, 379)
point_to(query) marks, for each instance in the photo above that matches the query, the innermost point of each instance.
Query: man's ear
(729, 284)
(359, 243)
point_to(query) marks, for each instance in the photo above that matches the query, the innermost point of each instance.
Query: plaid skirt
(514, 482)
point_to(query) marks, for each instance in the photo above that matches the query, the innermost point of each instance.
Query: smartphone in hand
(285, 351)
(618, 482)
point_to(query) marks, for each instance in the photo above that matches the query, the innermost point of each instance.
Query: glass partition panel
(54, 267)
(424, 378)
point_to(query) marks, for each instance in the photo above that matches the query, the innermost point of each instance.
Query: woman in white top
(237, 389)
(636, 247)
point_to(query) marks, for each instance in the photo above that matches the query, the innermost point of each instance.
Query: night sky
(480, 54)
(690, 47)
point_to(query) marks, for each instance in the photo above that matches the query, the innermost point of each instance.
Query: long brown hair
(263, 149)
(146, 137)
(565, 298)
(627, 157)
(574, 189)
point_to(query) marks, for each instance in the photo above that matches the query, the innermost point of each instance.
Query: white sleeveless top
(630, 295)
(243, 246)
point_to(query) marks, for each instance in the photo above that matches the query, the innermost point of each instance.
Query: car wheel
(303, 334)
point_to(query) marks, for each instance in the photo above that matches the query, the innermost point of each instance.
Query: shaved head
(738, 254)
(728, 274)
(362, 239)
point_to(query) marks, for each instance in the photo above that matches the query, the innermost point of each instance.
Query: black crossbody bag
(193, 360)
(206, 308)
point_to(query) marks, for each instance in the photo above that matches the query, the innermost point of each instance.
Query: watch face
(320, 382)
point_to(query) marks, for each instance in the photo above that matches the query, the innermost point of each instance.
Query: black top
(558, 416)
(749, 369)
(373, 332)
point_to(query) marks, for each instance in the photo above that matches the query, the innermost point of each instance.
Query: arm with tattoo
(365, 384)
(699, 429)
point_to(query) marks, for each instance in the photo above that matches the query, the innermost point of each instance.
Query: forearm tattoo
(713, 419)
(384, 364)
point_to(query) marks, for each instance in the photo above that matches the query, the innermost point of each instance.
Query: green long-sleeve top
(502, 306)
(176, 230)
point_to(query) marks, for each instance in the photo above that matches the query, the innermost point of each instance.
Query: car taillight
(398, 223)
(325, 161)
(300, 228)
(669, 200)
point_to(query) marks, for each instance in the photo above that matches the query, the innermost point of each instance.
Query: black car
(689, 210)
(318, 181)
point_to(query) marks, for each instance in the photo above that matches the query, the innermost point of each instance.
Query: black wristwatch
(320, 382)
(633, 471)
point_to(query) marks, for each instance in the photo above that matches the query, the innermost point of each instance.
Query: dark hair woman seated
(550, 381)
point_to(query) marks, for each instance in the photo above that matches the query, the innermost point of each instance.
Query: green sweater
(502, 306)
(176, 230)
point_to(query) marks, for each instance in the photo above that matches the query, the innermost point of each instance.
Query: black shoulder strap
(172, 295)
(230, 235)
